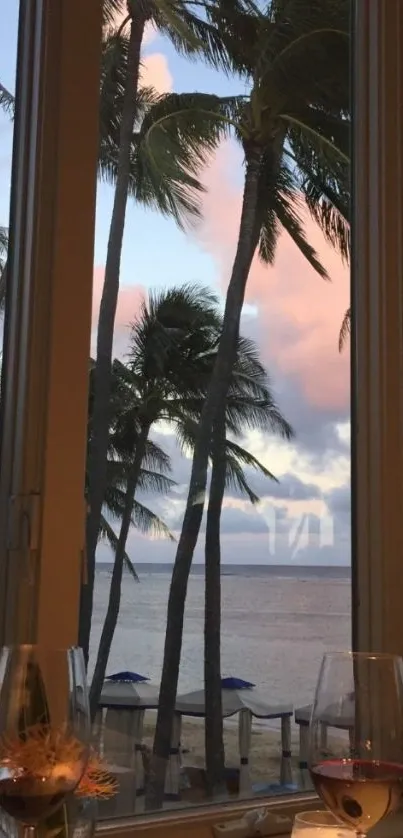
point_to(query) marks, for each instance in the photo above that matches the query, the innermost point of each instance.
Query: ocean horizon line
(341, 571)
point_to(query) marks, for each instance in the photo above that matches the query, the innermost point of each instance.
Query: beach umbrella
(125, 697)
(130, 690)
(127, 677)
(239, 696)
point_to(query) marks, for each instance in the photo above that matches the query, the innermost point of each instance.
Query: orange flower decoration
(46, 752)
(42, 751)
(97, 780)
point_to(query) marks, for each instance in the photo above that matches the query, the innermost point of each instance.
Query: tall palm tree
(164, 178)
(124, 159)
(173, 347)
(223, 473)
(298, 107)
(250, 404)
(168, 364)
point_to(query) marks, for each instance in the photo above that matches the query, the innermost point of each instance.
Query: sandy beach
(265, 759)
(265, 753)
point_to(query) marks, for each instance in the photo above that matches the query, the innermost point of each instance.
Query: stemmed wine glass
(358, 772)
(44, 730)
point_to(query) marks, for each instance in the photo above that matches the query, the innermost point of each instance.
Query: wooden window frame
(43, 431)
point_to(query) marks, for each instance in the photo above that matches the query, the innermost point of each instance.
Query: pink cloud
(155, 73)
(299, 314)
(129, 301)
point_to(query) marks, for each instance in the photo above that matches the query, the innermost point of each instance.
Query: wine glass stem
(28, 831)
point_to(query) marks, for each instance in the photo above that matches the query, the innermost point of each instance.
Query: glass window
(224, 178)
(212, 472)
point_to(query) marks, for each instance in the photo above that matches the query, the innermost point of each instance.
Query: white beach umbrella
(238, 696)
(126, 696)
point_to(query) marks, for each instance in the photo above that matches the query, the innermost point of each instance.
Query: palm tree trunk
(97, 470)
(214, 729)
(216, 397)
(112, 612)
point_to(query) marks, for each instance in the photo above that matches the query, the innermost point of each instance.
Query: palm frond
(345, 329)
(268, 237)
(111, 9)
(289, 218)
(175, 140)
(325, 185)
(246, 459)
(181, 25)
(3, 242)
(153, 481)
(214, 31)
(143, 518)
(324, 208)
(235, 479)
(309, 128)
(148, 522)
(7, 101)
(315, 66)
(109, 535)
(236, 459)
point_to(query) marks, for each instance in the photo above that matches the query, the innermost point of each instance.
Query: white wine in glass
(359, 772)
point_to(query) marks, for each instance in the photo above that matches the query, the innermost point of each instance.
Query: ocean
(277, 622)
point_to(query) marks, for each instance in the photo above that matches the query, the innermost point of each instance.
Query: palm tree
(124, 159)
(173, 347)
(168, 364)
(298, 107)
(143, 518)
(164, 177)
(153, 476)
(223, 473)
(250, 404)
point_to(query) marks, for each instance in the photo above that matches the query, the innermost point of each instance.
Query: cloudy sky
(292, 314)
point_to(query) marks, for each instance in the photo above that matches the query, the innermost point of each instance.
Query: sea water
(276, 625)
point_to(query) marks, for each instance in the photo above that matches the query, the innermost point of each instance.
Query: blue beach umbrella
(127, 677)
(124, 698)
(128, 689)
(232, 683)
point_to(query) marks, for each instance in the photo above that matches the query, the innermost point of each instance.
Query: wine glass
(318, 824)
(44, 730)
(356, 737)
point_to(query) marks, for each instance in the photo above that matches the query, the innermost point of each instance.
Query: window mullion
(48, 319)
(378, 326)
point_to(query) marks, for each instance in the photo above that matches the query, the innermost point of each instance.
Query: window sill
(199, 822)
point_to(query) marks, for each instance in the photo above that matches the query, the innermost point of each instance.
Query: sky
(292, 314)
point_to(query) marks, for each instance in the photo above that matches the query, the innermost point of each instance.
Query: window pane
(8, 54)
(223, 180)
